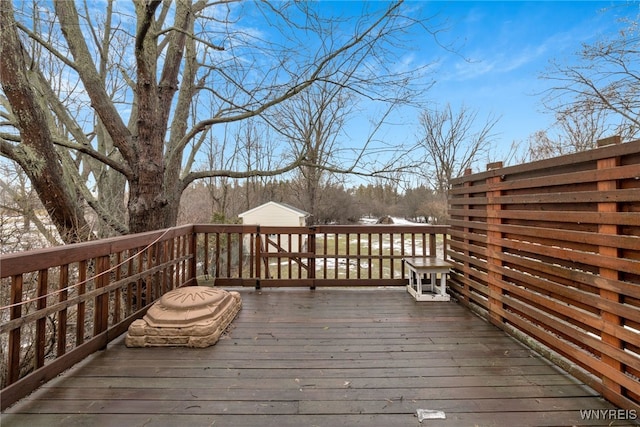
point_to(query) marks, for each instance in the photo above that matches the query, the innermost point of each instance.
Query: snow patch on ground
(396, 220)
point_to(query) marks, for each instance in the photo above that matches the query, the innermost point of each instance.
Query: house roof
(286, 206)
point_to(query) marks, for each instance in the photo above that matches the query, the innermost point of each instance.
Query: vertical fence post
(432, 245)
(172, 270)
(101, 308)
(251, 246)
(41, 324)
(81, 308)
(240, 242)
(311, 262)
(13, 363)
(63, 282)
(193, 263)
(494, 246)
(258, 259)
(206, 256)
(612, 251)
(150, 280)
(466, 266)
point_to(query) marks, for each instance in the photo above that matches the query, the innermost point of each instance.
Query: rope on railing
(109, 270)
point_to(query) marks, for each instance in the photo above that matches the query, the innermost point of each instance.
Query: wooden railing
(335, 255)
(550, 251)
(59, 305)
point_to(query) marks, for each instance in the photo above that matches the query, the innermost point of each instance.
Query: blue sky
(504, 47)
(499, 51)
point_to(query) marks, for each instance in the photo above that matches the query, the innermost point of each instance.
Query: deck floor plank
(329, 357)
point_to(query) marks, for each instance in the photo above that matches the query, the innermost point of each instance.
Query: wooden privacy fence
(550, 251)
(58, 305)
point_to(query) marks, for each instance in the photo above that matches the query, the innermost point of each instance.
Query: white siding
(277, 215)
(273, 215)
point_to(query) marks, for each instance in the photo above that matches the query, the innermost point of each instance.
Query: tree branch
(100, 100)
(314, 75)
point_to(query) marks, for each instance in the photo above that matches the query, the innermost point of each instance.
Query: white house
(278, 215)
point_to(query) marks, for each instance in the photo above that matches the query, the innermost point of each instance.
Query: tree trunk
(37, 155)
(152, 201)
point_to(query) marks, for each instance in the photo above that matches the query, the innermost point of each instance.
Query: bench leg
(414, 281)
(443, 284)
(419, 279)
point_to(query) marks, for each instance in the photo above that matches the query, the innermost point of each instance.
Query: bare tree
(21, 212)
(195, 204)
(256, 149)
(573, 131)
(218, 186)
(602, 86)
(378, 199)
(36, 153)
(155, 77)
(336, 205)
(452, 142)
(312, 123)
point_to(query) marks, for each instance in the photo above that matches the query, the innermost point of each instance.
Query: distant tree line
(336, 204)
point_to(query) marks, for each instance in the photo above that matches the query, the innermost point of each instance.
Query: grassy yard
(337, 256)
(342, 256)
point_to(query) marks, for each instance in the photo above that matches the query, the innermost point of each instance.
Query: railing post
(240, 240)
(432, 245)
(13, 361)
(311, 247)
(101, 309)
(171, 252)
(206, 255)
(494, 246)
(63, 282)
(258, 259)
(193, 264)
(41, 324)
(81, 309)
(150, 281)
(610, 385)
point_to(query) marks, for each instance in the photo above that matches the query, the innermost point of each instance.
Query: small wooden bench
(430, 267)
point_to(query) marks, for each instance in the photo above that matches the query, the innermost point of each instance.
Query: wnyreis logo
(608, 414)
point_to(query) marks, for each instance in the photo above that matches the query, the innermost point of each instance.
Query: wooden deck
(321, 358)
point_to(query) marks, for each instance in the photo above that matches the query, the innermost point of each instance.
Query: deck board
(326, 358)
